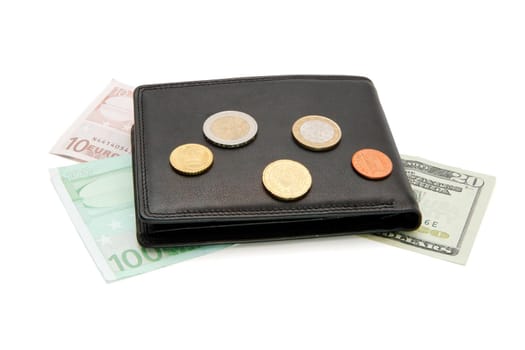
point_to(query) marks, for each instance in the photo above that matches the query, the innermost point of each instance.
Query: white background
(451, 80)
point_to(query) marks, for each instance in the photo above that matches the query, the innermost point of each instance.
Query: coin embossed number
(191, 159)
(372, 164)
(287, 179)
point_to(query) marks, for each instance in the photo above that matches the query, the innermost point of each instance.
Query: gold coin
(191, 159)
(372, 164)
(316, 133)
(287, 179)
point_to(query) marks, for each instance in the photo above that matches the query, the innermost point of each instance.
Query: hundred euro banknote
(452, 201)
(102, 131)
(98, 197)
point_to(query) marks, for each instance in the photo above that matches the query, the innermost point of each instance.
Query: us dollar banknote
(98, 197)
(452, 201)
(102, 131)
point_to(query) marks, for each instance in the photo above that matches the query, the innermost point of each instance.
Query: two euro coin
(230, 129)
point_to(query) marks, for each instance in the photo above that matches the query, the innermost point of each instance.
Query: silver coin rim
(206, 129)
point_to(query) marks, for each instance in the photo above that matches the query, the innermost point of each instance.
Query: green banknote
(98, 197)
(452, 201)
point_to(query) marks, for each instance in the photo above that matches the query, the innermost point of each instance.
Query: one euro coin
(316, 132)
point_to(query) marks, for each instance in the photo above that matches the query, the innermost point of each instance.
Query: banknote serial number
(133, 258)
(110, 143)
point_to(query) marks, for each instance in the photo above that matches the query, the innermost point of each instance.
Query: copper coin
(372, 164)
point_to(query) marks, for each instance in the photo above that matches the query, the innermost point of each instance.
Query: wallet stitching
(266, 212)
(277, 211)
(244, 80)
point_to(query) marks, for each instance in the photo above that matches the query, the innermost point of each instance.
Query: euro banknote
(98, 197)
(102, 130)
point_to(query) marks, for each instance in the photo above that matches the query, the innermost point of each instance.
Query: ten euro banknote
(98, 197)
(452, 201)
(102, 131)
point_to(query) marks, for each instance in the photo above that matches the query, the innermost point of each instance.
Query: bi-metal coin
(286, 179)
(230, 129)
(191, 159)
(316, 133)
(372, 164)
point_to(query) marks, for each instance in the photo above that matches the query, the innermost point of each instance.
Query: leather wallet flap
(231, 191)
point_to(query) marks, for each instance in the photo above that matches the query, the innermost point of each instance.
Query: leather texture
(229, 203)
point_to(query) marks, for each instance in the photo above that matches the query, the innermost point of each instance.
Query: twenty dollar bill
(452, 202)
(102, 131)
(98, 197)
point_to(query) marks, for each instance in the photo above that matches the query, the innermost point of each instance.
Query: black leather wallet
(228, 203)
